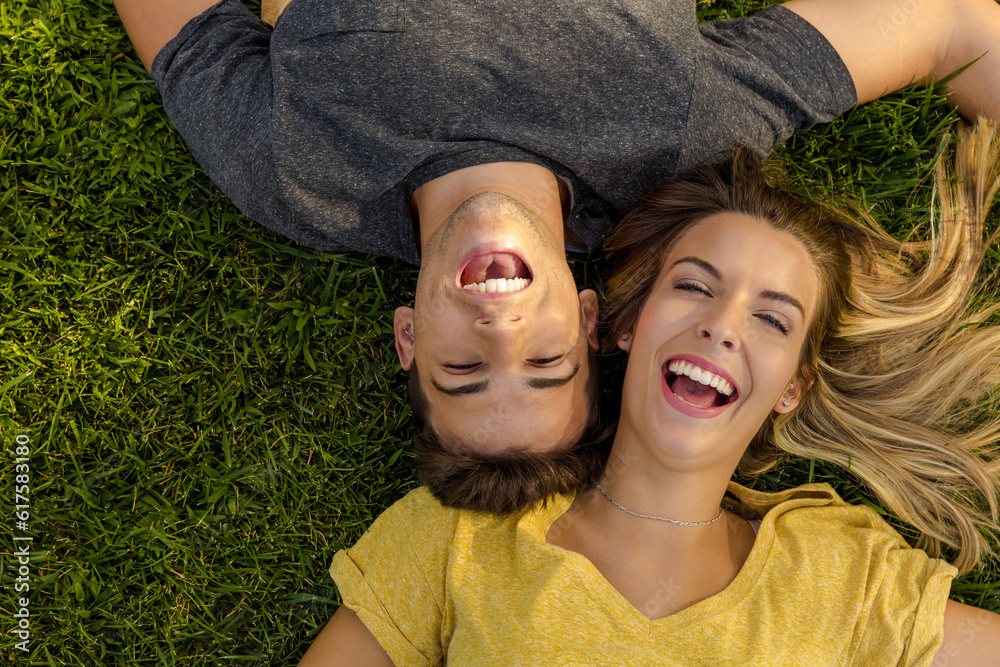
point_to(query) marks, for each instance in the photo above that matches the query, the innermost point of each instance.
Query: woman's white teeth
(699, 374)
(494, 285)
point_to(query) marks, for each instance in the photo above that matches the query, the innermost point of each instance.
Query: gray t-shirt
(322, 128)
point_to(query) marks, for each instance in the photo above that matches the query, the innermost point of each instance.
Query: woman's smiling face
(718, 341)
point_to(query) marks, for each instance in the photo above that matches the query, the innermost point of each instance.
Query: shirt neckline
(543, 518)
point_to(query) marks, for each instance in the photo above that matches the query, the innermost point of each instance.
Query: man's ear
(588, 306)
(402, 327)
(796, 390)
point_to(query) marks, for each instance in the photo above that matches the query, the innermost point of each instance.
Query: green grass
(213, 410)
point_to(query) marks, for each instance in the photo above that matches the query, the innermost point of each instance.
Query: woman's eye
(692, 287)
(546, 361)
(775, 322)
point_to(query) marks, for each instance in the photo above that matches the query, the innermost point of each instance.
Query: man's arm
(345, 641)
(971, 637)
(889, 44)
(150, 24)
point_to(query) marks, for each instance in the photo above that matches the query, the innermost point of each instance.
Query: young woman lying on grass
(755, 325)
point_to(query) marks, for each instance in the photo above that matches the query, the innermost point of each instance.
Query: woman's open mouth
(495, 272)
(693, 386)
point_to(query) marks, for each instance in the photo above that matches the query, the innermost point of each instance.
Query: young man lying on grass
(485, 140)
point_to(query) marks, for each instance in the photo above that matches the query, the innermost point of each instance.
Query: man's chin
(491, 218)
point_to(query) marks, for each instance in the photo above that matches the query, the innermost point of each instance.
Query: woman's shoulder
(817, 502)
(419, 506)
(419, 527)
(753, 504)
(815, 551)
(813, 523)
(416, 530)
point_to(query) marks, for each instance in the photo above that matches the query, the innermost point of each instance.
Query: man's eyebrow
(784, 298)
(462, 389)
(711, 270)
(550, 383)
(767, 294)
(479, 387)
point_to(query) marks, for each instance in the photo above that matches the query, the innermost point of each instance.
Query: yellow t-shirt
(826, 583)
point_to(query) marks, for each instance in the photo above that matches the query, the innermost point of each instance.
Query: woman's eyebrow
(708, 268)
(784, 298)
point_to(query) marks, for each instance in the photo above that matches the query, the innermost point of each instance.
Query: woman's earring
(624, 336)
(407, 332)
(787, 400)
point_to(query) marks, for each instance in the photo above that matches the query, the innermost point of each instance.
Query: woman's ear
(808, 376)
(795, 391)
(402, 327)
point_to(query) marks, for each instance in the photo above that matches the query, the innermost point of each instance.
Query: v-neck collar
(539, 522)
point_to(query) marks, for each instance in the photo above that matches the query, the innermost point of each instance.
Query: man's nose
(499, 324)
(504, 333)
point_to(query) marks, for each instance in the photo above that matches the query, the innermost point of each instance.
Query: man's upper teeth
(494, 285)
(699, 374)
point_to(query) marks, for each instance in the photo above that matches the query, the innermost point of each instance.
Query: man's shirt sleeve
(215, 79)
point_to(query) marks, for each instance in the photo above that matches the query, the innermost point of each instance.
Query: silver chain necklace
(657, 518)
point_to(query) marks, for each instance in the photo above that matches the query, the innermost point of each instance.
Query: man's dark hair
(506, 482)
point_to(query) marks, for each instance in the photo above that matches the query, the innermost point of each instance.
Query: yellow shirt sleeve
(906, 617)
(855, 573)
(394, 578)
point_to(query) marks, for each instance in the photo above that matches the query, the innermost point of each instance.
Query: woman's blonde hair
(904, 363)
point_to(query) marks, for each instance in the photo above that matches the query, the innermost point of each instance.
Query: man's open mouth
(495, 272)
(696, 386)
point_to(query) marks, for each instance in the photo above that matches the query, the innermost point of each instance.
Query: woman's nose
(722, 326)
